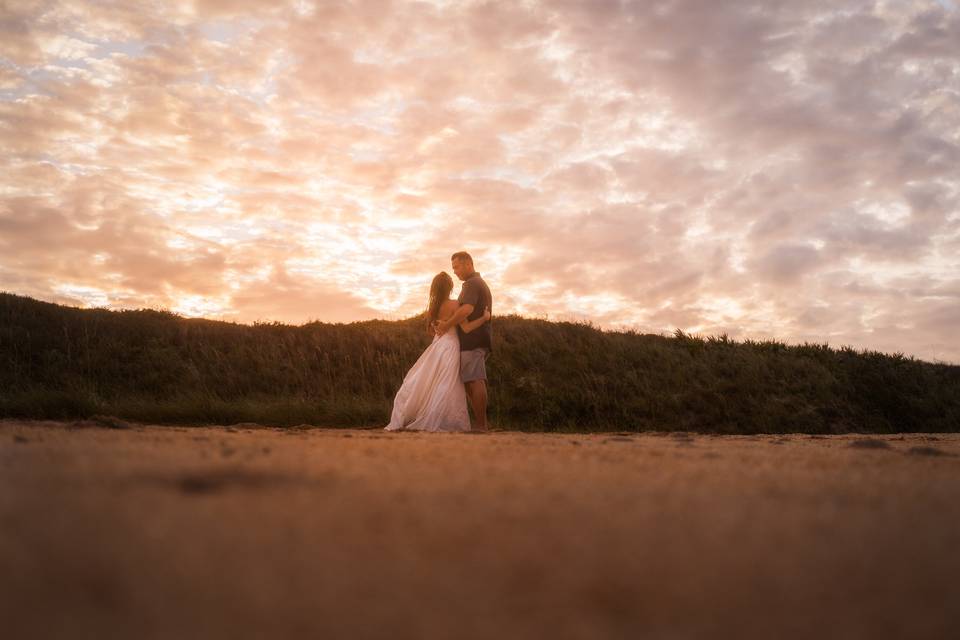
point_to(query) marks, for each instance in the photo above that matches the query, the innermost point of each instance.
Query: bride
(432, 397)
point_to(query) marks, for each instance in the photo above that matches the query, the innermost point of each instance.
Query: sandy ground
(172, 532)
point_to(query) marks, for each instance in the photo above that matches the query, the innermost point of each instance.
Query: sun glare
(194, 306)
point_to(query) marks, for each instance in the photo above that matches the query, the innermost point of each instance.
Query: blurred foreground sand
(173, 532)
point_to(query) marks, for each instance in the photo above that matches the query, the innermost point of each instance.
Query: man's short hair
(461, 255)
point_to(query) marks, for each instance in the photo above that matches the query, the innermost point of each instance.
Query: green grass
(62, 363)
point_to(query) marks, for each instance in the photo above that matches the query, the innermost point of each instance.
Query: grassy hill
(64, 362)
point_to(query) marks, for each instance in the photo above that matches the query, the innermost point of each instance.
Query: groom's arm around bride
(475, 347)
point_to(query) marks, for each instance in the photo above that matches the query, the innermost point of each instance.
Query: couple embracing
(434, 391)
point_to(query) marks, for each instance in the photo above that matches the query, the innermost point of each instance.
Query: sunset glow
(761, 169)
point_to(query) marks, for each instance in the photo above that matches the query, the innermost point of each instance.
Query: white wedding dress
(432, 397)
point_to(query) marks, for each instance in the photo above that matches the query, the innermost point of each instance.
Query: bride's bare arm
(459, 316)
(469, 325)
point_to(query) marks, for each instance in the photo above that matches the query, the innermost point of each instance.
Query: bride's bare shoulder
(448, 308)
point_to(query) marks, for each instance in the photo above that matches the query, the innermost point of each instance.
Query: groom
(475, 346)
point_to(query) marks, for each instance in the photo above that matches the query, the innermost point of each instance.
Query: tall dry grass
(63, 362)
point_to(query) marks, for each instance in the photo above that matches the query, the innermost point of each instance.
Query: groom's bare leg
(477, 393)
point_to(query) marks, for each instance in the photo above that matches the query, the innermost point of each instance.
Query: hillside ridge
(149, 365)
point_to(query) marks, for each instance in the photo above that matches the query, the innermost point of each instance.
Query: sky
(769, 170)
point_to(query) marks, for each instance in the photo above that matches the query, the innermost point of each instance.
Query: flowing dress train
(432, 397)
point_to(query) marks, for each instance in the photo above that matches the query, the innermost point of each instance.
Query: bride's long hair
(440, 290)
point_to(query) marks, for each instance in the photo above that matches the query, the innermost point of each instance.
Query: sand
(213, 532)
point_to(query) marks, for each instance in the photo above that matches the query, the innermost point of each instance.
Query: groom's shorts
(473, 364)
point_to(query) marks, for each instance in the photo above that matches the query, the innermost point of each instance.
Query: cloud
(773, 169)
(785, 264)
(283, 298)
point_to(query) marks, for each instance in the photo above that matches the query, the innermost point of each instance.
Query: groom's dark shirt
(476, 292)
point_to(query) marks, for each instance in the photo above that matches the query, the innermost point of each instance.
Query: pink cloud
(769, 170)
